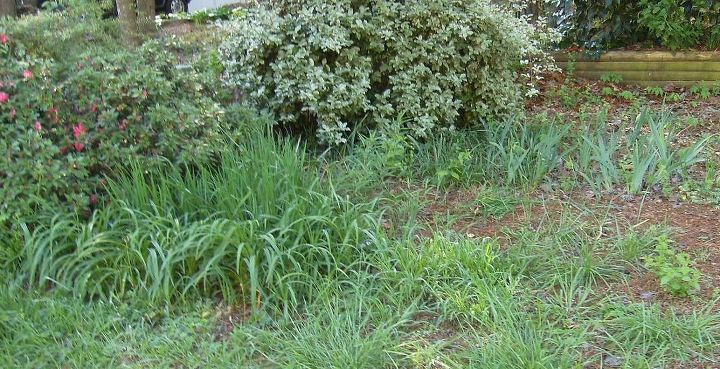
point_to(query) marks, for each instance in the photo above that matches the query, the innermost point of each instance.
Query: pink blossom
(79, 146)
(79, 130)
(27, 74)
(4, 97)
(38, 126)
(93, 199)
(3, 38)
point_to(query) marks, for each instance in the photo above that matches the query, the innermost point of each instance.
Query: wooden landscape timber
(648, 68)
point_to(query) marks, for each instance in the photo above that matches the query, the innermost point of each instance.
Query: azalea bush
(67, 32)
(65, 126)
(325, 66)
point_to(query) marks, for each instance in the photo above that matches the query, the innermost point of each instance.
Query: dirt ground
(695, 226)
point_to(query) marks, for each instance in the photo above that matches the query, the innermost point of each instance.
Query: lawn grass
(271, 257)
(456, 302)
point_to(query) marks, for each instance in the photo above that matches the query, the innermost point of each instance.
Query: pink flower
(93, 200)
(27, 74)
(3, 38)
(79, 146)
(4, 97)
(79, 130)
(38, 126)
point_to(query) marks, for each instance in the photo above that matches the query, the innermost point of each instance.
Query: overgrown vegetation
(180, 229)
(675, 24)
(71, 116)
(256, 227)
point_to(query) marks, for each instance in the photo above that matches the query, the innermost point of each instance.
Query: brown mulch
(227, 318)
(695, 230)
(706, 110)
(177, 28)
(462, 207)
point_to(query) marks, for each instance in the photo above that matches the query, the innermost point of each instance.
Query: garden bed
(647, 68)
(177, 26)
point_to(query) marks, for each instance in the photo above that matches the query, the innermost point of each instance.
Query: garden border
(647, 68)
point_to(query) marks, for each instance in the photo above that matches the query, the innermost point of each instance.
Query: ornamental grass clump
(258, 227)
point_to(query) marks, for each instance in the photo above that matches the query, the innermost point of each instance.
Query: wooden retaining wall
(649, 68)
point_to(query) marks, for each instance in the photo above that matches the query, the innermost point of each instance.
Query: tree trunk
(128, 20)
(146, 16)
(7, 8)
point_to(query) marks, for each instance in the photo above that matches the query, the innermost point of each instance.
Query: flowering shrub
(65, 126)
(326, 65)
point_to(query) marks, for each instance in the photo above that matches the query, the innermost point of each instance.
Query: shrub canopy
(328, 65)
(66, 121)
(674, 24)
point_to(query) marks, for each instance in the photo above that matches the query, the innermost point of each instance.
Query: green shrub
(655, 91)
(611, 77)
(671, 23)
(627, 95)
(674, 269)
(66, 123)
(456, 171)
(702, 91)
(601, 24)
(66, 35)
(668, 21)
(324, 66)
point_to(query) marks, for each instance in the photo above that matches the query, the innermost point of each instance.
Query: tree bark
(128, 20)
(146, 16)
(7, 8)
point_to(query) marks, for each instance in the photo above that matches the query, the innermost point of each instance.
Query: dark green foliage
(68, 119)
(675, 24)
(669, 21)
(604, 24)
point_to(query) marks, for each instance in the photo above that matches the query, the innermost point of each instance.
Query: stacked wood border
(648, 68)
